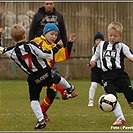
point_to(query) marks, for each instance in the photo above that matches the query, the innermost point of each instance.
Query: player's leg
(34, 92)
(65, 94)
(118, 110)
(126, 88)
(96, 74)
(128, 93)
(110, 88)
(111, 80)
(47, 101)
(64, 83)
(56, 69)
(119, 114)
(92, 93)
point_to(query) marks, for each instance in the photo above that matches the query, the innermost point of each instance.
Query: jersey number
(29, 57)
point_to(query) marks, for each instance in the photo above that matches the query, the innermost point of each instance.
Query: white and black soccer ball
(107, 102)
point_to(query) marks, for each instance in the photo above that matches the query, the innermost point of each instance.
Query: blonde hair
(17, 32)
(116, 26)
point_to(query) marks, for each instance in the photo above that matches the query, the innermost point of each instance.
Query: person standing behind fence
(48, 14)
(96, 72)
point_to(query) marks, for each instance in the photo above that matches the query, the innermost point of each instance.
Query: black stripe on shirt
(105, 45)
(19, 56)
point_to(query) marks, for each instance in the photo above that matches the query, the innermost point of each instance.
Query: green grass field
(65, 115)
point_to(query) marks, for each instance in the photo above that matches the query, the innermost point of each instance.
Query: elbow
(50, 57)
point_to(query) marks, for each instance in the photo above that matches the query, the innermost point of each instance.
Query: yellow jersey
(61, 55)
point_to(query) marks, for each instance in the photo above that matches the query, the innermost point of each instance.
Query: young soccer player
(46, 41)
(111, 54)
(48, 14)
(96, 72)
(30, 57)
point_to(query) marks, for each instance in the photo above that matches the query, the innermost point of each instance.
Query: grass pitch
(65, 115)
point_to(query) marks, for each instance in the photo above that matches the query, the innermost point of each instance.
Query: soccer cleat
(66, 96)
(71, 89)
(40, 124)
(72, 95)
(90, 104)
(119, 122)
(46, 117)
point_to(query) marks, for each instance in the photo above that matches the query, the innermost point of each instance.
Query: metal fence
(82, 18)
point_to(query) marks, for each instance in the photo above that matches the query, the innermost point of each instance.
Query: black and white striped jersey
(93, 51)
(29, 56)
(111, 56)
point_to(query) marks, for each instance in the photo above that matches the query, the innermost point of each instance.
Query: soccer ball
(107, 102)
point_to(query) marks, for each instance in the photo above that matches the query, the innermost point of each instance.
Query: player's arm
(95, 57)
(64, 53)
(70, 44)
(127, 52)
(47, 54)
(92, 63)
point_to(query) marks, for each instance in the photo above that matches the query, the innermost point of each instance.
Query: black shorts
(117, 81)
(96, 75)
(36, 82)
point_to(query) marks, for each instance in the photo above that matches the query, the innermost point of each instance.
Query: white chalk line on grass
(84, 115)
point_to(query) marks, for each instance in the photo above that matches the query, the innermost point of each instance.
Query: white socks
(118, 111)
(92, 90)
(37, 110)
(64, 83)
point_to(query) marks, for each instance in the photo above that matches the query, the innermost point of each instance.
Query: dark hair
(98, 35)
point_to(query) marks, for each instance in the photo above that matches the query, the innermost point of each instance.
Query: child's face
(51, 36)
(113, 36)
(97, 41)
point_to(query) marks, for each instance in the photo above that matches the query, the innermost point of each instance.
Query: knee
(56, 79)
(94, 85)
(32, 98)
(51, 94)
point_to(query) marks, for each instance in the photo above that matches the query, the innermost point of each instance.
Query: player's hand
(92, 64)
(60, 43)
(130, 59)
(88, 64)
(1, 30)
(72, 37)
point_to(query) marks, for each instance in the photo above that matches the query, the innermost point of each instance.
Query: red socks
(59, 88)
(46, 103)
